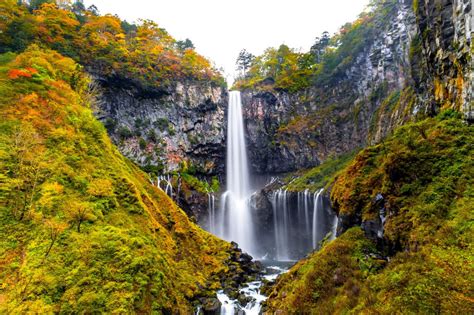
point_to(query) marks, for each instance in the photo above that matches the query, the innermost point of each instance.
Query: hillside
(419, 258)
(82, 229)
(161, 102)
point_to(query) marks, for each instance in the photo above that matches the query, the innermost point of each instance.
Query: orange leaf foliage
(21, 73)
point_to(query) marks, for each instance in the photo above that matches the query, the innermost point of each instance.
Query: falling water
(306, 210)
(164, 183)
(334, 227)
(237, 221)
(211, 207)
(318, 208)
(281, 224)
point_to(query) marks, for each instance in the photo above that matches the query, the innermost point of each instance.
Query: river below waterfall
(252, 291)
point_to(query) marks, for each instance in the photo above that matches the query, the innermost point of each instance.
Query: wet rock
(245, 258)
(235, 247)
(243, 300)
(232, 292)
(211, 306)
(372, 229)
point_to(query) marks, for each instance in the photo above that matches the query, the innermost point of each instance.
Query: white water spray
(237, 219)
(211, 208)
(318, 208)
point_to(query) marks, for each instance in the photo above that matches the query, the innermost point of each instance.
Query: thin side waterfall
(237, 220)
(334, 227)
(211, 207)
(281, 224)
(164, 183)
(306, 210)
(317, 213)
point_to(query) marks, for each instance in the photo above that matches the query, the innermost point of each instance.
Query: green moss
(124, 132)
(425, 174)
(201, 186)
(142, 143)
(337, 270)
(415, 6)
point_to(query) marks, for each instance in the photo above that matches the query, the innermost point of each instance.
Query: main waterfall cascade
(235, 223)
(300, 220)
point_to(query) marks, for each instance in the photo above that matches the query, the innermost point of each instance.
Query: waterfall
(211, 203)
(334, 227)
(300, 220)
(164, 183)
(236, 217)
(317, 213)
(306, 210)
(281, 224)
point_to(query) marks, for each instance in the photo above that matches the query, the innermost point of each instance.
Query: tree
(78, 212)
(93, 10)
(129, 28)
(79, 9)
(36, 4)
(319, 46)
(184, 44)
(16, 26)
(244, 61)
(55, 228)
(25, 166)
(57, 27)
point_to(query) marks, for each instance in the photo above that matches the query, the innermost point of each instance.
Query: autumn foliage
(81, 228)
(143, 54)
(21, 73)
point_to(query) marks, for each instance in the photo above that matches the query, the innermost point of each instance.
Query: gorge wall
(414, 61)
(165, 128)
(178, 130)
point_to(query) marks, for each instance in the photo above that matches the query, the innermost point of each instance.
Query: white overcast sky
(221, 28)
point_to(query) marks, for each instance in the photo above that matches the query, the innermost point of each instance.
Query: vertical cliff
(178, 130)
(445, 30)
(165, 128)
(410, 59)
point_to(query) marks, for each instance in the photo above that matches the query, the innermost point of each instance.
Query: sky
(220, 29)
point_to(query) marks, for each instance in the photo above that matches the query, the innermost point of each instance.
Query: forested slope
(82, 229)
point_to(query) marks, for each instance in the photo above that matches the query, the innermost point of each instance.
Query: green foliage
(425, 173)
(328, 281)
(142, 143)
(287, 69)
(83, 231)
(325, 63)
(319, 176)
(196, 184)
(124, 132)
(188, 173)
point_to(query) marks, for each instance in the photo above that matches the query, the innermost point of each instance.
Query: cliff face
(445, 29)
(181, 129)
(415, 61)
(166, 128)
